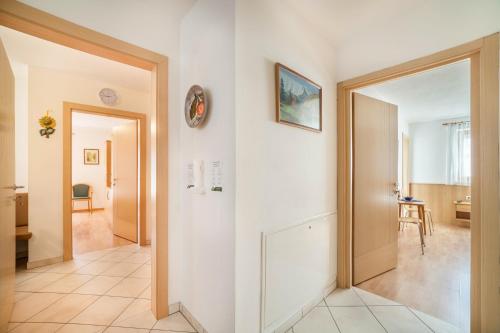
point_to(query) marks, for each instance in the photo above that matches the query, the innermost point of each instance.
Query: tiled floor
(101, 291)
(92, 232)
(438, 282)
(358, 311)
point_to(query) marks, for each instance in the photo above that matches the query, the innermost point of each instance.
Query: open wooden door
(7, 191)
(125, 181)
(375, 207)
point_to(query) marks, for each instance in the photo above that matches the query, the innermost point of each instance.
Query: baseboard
(192, 320)
(85, 210)
(179, 307)
(43, 262)
(303, 310)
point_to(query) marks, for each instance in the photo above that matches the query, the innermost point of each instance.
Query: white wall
(21, 113)
(207, 273)
(48, 89)
(428, 146)
(416, 29)
(93, 175)
(285, 175)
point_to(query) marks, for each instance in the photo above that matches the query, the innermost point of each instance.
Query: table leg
(421, 215)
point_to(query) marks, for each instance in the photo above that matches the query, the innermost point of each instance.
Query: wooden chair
(414, 220)
(428, 216)
(82, 192)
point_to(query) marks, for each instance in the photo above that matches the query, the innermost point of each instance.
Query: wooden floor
(437, 283)
(92, 232)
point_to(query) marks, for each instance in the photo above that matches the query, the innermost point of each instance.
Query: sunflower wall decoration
(48, 125)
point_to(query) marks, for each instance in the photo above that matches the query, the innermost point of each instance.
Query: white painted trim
(276, 229)
(292, 319)
(43, 262)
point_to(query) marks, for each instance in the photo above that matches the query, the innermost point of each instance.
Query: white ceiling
(85, 120)
(440, 93)
(34, 51)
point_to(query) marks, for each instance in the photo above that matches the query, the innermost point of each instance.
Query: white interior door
(125, 181)
(375, 215)
(7, 191)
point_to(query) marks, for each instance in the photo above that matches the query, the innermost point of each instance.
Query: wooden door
(7, 191)
(375, 207)
(125, 181)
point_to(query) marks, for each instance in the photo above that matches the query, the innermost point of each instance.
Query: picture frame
(91, 156)
(299, 100)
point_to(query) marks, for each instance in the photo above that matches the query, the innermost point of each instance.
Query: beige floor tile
(174, 322)
(437, 325)
(356, 320)
(67, 284)
(20, 295)
(64, 309)
(36, 328)
(24, 276)
(99, 285)
(95, 267)
(31, 305)
(142, 272)
(11, 326)
(103, 311)
(343, 297)
(116, 256)
(397, 319)
(137, 258)
(146, 294)
(131, 248)
(38, 282)
(129, 287)
(373, 299)
(137, 315)
(92, 255)
(121, 269)
(128, 330)
(319, 320)
(77, 328)
(67, 266)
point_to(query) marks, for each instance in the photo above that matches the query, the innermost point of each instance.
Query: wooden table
(420, 207)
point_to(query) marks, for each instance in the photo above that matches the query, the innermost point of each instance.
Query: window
(458, 158)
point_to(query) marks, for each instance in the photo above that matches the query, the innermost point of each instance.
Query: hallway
(93, 232)
(101, 291)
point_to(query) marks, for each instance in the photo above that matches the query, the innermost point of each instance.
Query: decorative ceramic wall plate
(195, 108)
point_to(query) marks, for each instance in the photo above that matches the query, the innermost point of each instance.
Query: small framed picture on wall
(298, 100)
(91, 156)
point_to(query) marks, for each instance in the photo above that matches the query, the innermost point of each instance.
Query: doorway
(105, 169)
(413, 238)
(26, 19)
(484, 57)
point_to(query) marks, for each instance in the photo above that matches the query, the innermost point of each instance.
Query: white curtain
(458, 157)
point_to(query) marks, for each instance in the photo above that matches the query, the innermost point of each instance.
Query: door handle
(13, 187)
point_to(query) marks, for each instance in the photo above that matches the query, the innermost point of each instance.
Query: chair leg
(431, 222)
(421, 232)
(428, 220)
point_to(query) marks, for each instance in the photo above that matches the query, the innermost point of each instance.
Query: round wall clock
(108, 96)
(195, 107)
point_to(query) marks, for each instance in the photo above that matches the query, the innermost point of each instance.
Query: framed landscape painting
(91, 156)
(298, 99)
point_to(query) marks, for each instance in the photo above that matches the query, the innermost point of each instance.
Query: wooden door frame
(68, 109)
(32, 21)
(484, 58)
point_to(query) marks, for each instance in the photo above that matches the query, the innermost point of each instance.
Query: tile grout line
(366, 305)
(409, 309)
(331, 315)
